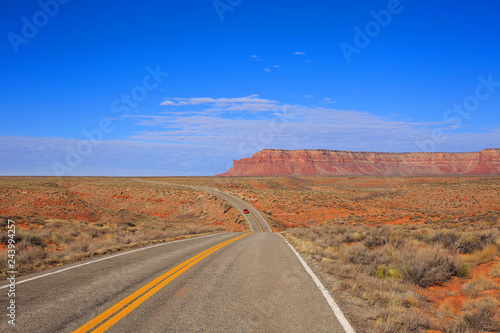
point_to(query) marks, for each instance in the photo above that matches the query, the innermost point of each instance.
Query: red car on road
(245, 211)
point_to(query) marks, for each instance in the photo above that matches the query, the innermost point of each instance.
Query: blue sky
(165, 88)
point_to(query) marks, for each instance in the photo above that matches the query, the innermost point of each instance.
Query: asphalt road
(231, 282)
(255, 220)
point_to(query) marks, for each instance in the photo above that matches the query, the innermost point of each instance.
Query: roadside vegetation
(390, 269)
(54, 242)
(64, 220)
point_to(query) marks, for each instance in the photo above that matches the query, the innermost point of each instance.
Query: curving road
(255, 220)
(232, 282)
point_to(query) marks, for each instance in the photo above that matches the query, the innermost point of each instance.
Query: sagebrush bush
(479, 284)
(428, 265)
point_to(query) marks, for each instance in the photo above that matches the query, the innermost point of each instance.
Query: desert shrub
(428, 265)
(413, 321)
(469, 243)
(480, 319)
(495, 271)
(333, 241)
(31, 255)
(4, 261)
(353, 237)
(456, 326)
(446, 238)
(446, 310)
(479, 284)
(26, 239)
(464, 270)
(480, 303)
(394, 273)
(401, 322)
(381, 271)
(376, 238)
(485, 255)
(359, 254)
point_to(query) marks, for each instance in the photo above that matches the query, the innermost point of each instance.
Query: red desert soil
(452, 292)
(107, 200)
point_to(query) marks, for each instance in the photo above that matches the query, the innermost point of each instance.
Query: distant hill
(321, 162)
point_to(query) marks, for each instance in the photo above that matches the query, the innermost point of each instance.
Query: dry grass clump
(427, 266)
(495, 271)
(480, 284)
(57, 242)
(446, 310)
(404, 322)
(487, 254)
(483, 302)
(479, 316)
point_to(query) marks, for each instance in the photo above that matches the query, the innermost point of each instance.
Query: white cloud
(316, 127)
(327, 100)
(300, 53)
(168, 102)
(267, 70)
(308, 96)
(308, 61)
(254, 57)
(277, 66)
(178, 101)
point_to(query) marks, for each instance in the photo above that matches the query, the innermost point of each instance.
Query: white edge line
(106, 258)
(338, 313)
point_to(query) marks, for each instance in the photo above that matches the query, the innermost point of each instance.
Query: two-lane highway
(232, 282)
(255, 220)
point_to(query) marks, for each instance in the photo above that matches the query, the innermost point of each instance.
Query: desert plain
(401, 254)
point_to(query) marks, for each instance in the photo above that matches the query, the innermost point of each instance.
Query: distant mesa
(321, 162)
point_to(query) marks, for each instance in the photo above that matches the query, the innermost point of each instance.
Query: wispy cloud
(205, 142)
(254, 57)
(319, 127)
(327, 100)
(277, 66)
(179, 101)
(267, 70)
(300, 53)
(33, 156)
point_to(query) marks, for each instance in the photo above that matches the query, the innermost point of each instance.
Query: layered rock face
(320, 162)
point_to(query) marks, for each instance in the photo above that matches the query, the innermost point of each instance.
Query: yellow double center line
(115, 313)
(256, 221)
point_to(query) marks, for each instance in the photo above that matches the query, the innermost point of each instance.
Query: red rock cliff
(320, 162)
